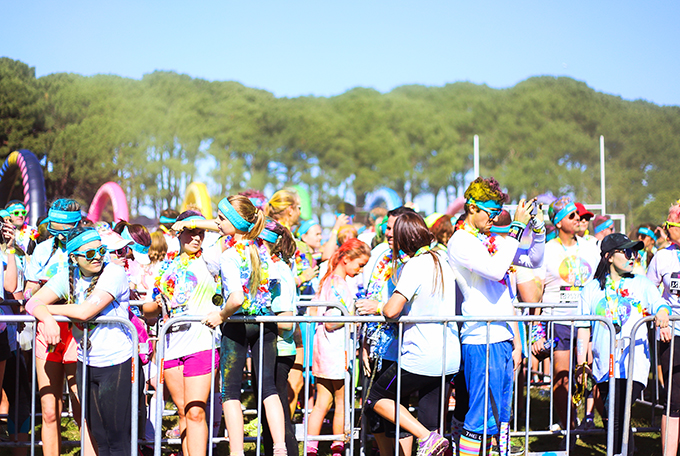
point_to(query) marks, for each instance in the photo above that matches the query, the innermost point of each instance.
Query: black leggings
(283, 367)
(666, 365)
(619, 406)
(428, 388)
(236, 338)
(107, 406)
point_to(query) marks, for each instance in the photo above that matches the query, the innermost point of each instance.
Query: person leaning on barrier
(624, 298)
(93, 288)
(248, 279)
(484, 263)
(425, 288)
(53, 363)
(379, 347)
(665, 269)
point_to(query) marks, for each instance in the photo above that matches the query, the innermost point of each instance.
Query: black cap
(619, 241)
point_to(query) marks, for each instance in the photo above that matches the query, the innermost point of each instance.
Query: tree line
(151, 135)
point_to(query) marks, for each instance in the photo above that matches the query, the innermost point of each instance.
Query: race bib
(674, 285)
(570, 296)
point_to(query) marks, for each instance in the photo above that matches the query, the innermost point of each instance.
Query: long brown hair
(410, 234)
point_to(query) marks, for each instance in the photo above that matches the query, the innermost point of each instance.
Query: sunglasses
(629, 253)
(91, 254)
(574, 215)
(19, 213)
(493, 213)
(669, 224)
(122, 252)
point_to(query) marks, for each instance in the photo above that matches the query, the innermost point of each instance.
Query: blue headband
(305, 226)
(193, 217)
(67, 217)
(604, 226)
(83, 238)
(14, 206)
(165, 219)
(500, 229)
(269, 236)
(491, 204)
(234, 217)
(566, 210)
(647, 232)
(134, 246)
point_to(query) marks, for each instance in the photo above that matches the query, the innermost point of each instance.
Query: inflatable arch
(112, 192)
(32, 179)
(305, 202)
(385, 196)
(197, 193)
(456, 207)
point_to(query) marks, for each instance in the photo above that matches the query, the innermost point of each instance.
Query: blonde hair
(251, 214)
(159, 247)
(280, 201)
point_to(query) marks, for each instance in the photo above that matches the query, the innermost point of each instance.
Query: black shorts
(5, 351)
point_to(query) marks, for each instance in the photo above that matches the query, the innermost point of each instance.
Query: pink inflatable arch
(112, 192)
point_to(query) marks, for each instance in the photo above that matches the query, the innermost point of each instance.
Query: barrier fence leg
(211, 422)
(397, 401)
(34, 382)
(260, 399)
(84, 391)
(669, 388)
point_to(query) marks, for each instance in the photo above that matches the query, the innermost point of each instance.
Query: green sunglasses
(19, 213)
(91, 254)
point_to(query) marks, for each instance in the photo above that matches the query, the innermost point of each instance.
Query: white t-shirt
(111, 343)
(566, 270)
(190, 290)
(44, 264)
(423, 343)
(663, 266)
(486, 293)
(285, 302)
(641, 299)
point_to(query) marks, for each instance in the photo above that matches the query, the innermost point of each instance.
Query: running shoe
(433, 445)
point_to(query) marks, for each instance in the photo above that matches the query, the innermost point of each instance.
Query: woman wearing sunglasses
(91, 288)
(26, 234)
(625, 298)
(186, 286)
(54, 361)
(569, 264)
(665, 269)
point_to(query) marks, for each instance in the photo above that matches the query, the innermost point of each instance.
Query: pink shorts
(65, 352)
(195, 364)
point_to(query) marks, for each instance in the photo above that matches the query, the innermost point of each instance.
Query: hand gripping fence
(15, 319)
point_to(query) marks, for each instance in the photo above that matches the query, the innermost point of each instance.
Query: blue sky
(293, 48)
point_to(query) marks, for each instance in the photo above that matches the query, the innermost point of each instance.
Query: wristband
(32, 304)
(192, 225)
(537, 332)
(334, 232)
(538, 227)
(516, 230)
(378, 309)
(11, 251)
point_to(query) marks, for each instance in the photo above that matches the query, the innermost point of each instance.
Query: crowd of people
(257, 258)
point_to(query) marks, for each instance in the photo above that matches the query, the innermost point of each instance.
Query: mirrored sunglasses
(91, 254)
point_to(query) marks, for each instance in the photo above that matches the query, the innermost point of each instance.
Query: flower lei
(612, 310)
(253, 305)
(379, 336)
(178, 266)
(489, 242)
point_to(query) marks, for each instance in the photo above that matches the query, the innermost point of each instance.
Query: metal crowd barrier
(350, 432)
(16, 319)
(673, 319)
